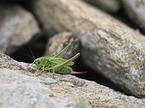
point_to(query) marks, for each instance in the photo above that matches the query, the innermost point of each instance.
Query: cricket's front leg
(43, 68)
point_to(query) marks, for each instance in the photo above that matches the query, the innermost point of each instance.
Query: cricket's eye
(38, 62)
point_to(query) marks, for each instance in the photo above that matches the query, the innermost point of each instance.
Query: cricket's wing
(59, 66)
(58, 61)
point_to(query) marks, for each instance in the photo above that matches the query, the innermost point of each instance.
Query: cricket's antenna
(32, 53)
(27, 55)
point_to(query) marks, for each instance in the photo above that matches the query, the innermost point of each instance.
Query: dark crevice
(36, 47)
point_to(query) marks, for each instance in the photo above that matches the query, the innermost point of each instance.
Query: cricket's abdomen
(65, 70)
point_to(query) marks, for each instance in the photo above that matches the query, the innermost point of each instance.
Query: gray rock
(20, 88)
(107, 5)
(136, 14)
(21, 91)
(61, 40)
(107, 45)
(17, 26)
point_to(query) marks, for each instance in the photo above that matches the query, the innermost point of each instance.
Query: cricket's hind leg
(63, 51)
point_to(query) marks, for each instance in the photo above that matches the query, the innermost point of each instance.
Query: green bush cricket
(56, 63)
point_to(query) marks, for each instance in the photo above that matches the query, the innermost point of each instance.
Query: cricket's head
(40, 62)
(37, 62)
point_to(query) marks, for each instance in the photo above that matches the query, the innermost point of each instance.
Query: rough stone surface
(107, 5)
(61, 40)
(136, 14)
(15, 24)
(21, 88)
(107, 45)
